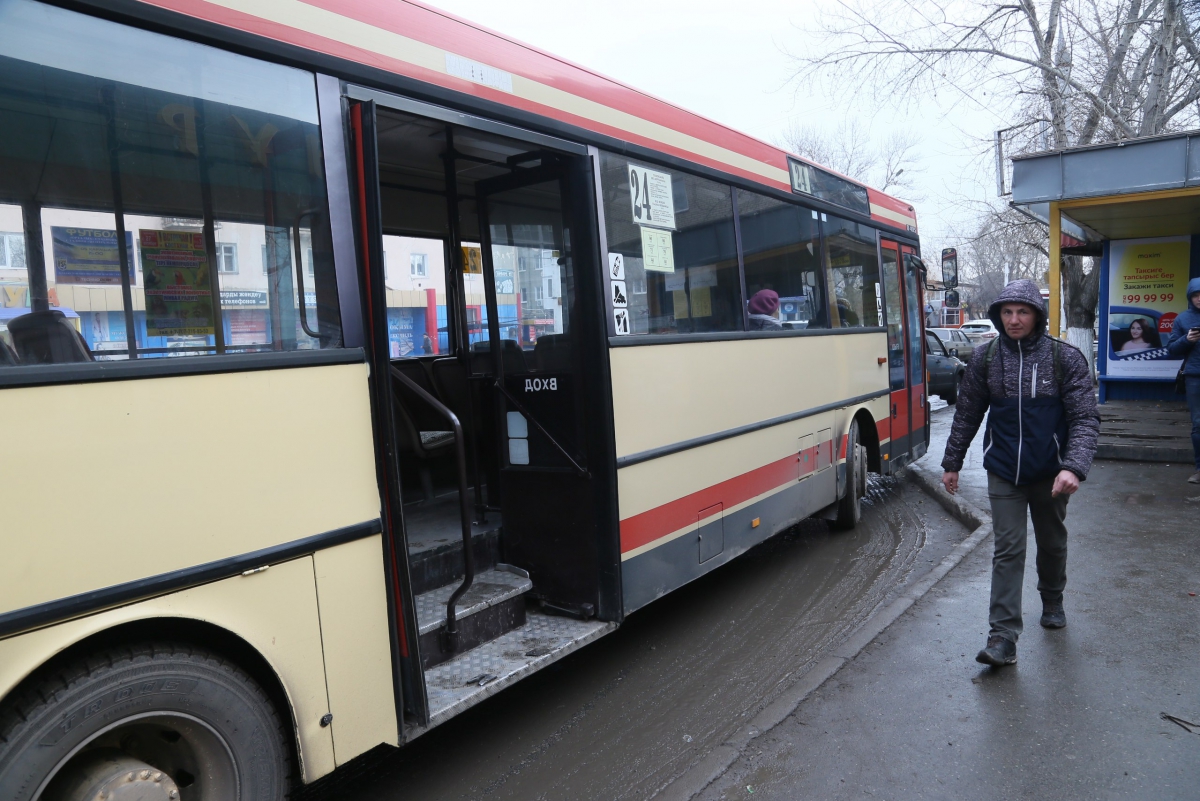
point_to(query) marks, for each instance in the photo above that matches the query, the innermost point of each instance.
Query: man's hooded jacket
(1177, 345)
(1032, 413)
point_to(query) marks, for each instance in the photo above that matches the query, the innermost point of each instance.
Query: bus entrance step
(435, 554)
(494, 605)
(471, 677)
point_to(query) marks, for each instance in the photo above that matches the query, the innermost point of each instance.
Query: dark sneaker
(999, 651)
(1195, 479)
(1054, 617)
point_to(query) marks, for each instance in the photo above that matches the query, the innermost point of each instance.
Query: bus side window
(781, 249)
(853, 271)
(681, 270)
(162, 197)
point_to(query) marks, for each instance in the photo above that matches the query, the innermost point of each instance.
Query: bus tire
(178, 718)
(849, 508)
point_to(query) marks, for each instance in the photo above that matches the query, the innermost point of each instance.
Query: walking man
(1040, 440)
(1185, 333)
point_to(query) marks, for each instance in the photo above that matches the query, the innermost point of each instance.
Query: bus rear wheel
(849, 508)
(151, 721)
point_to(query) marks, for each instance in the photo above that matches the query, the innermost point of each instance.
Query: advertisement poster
(1147, 290)
(178, 284)
(88, 255)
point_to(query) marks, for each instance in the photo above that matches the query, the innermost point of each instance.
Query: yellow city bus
(357, 362)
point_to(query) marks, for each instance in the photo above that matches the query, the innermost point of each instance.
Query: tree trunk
(1081, 294)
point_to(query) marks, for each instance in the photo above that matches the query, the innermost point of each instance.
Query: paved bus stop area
(1083, 712)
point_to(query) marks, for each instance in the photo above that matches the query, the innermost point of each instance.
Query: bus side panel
(665, 394)
(354, 633)
(275, 611)
(746, 501)
(116, 481)
(763, 481)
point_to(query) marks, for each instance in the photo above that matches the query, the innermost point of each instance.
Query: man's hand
(950, 481)
(1065, 483)
(1193, 335)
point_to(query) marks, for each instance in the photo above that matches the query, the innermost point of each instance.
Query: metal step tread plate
(482, 672)
(491, 587)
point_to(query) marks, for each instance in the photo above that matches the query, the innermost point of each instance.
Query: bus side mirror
(949, 268)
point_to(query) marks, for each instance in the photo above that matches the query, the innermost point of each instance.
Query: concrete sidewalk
(1081, 713)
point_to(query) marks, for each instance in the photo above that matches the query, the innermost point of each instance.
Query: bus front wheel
(156, 721)
(849, 508)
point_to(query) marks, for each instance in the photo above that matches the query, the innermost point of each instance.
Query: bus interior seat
(47, 337)
(422, 431)
(553, 353)
(510, 352)
(7, 357)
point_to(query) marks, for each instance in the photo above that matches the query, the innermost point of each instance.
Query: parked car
(957, 343)
(980, 330)
(945, 371)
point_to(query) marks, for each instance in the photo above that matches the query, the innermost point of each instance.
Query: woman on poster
(1142, 336)
(1185, 334)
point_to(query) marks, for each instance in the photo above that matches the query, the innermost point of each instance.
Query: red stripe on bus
(662, 520)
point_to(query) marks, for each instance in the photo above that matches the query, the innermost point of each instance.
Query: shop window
(781, 249)
(226, 258)
(136, 172)
(853, 274)
(674, 234)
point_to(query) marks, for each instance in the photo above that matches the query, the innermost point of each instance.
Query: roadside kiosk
(1136, 205)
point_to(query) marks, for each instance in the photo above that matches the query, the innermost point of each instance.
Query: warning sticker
(619, 299)
(616, 266)
(621, 321)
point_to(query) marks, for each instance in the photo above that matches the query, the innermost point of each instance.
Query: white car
(980, 330)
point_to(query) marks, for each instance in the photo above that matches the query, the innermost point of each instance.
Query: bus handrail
(521, 408)
(450, 635)
(300, 275)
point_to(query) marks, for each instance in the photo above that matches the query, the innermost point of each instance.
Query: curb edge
(720, 759)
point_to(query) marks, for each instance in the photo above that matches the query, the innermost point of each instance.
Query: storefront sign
(1147, 290)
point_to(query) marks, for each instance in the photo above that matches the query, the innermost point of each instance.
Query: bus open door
(907, 425)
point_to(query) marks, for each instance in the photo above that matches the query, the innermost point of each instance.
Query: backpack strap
(993, 346)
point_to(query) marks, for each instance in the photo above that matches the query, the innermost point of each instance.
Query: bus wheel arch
(868, 437)
(188, 637)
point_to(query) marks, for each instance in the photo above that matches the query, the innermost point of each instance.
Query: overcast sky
(730, 61)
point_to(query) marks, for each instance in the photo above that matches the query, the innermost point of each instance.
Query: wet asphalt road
(624, 716)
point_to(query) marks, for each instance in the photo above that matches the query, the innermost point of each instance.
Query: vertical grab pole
(1055, 268)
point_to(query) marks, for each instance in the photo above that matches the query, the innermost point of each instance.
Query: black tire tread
(43, 689)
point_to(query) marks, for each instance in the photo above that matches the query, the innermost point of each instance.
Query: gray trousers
(1012, 505)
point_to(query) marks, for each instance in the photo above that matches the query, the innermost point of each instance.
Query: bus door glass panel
(415, 274)
(527, 259)
(547, 494)
(897, 364)
(915, 343)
